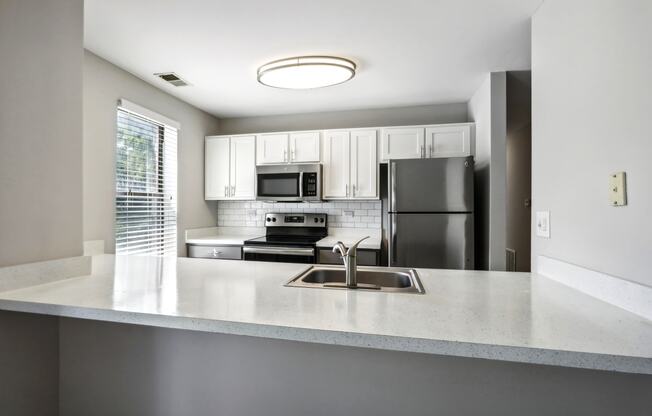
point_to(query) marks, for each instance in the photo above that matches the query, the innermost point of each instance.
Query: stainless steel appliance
(289, 182)
(430, 213)
(289, 238)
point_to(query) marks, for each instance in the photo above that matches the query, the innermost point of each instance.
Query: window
(146, 182)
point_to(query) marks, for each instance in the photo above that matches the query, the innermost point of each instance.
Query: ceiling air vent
(172, 78)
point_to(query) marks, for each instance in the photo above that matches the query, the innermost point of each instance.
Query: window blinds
(146, 182)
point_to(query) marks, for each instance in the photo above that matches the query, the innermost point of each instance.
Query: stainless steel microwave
(288, 182)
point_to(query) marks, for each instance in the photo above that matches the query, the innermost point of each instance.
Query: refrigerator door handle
(392, 240)
(391, 181)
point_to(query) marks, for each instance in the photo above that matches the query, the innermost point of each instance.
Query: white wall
(40, 130)
(427, 114)
(104, 84)
(487, 108)
(591, 89)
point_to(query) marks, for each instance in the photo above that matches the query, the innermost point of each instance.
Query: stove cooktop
(276, 240)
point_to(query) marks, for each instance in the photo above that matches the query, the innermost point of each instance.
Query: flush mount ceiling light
(305, 72)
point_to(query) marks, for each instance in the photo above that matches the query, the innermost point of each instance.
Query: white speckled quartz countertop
(493, 315)
(222, 236)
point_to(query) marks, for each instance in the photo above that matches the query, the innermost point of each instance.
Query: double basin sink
(381, 279)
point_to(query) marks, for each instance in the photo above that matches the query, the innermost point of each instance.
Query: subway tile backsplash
(341, 214)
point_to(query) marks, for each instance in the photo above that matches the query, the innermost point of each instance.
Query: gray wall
(114, 369)
(519, 165)
(487, 108)
(40, 130)
(104, 84)
(428, 114)
(591, 90)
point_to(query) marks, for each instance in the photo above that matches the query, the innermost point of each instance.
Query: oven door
(280, 254)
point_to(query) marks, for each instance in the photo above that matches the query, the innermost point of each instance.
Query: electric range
(289, 238)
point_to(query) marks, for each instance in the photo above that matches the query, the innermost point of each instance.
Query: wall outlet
(617, 189)
(348, 213)
(543, 224)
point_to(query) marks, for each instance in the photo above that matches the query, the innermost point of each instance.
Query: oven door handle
(287, 251)
(300, 184)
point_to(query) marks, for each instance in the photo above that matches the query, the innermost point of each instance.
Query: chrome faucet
(349, 256)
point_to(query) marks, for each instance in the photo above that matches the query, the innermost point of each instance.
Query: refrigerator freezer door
(431, 185)
(439, 241)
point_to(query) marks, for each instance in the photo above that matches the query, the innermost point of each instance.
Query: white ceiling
(409, 52)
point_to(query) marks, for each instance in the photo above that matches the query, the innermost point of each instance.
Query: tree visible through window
(146, 177)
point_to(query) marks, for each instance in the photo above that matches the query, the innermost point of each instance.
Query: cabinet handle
(430, 151)
(423, 151)
(233, 190)
(226, 190)
(353, 189)
(285, 155)
(216, 253)
(294, 154)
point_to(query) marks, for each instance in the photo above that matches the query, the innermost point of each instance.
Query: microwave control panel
(310, 184)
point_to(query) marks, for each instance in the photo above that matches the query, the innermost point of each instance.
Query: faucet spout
(350, 258)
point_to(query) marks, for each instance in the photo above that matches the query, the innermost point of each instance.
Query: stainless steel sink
(369, 278)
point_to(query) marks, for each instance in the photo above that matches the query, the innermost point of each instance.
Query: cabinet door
(364, 164)
(304, 147)
(243, 167)
(272, 148)
(216, 168)
(402, 143)
(336, 166)
(452, 141)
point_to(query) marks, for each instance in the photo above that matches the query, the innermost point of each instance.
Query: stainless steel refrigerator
(430, 213)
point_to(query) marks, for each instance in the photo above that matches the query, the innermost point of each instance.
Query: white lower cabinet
(230, 167)
(350, 164)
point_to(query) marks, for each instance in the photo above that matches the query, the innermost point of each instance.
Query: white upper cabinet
(243, 167)
(296, 147)
(448, 141)
(350, 164)
(273, 148)
(304, 147)
(336, 165)
(419, 142)
(364, 164)
(216, 168)
(402, 143)
(230, 167)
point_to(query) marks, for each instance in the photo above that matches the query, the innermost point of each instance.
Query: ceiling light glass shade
(305, 72)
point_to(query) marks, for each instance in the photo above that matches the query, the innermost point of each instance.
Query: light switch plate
(617, 189)
(543, 224)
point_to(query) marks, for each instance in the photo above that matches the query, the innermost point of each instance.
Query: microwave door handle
(300, 184)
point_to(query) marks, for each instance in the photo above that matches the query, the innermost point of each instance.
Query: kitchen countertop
(330, 241)
(236, 236)
(493, 315)
(222, 236)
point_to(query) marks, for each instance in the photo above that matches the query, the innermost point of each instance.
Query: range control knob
(273, 219)
(321, 220)
(268, 219)
(316, 220)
